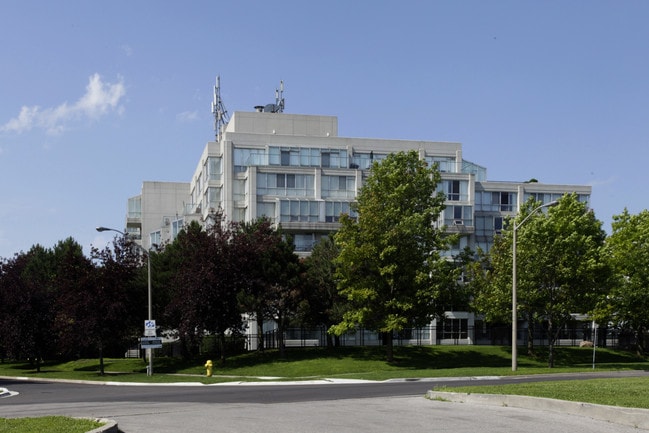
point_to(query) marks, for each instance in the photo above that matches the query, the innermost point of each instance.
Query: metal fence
(440, 335)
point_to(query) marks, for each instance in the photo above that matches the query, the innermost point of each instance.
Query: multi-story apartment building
(296, 170)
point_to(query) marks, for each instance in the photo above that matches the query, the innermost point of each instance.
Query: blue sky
(98, 97)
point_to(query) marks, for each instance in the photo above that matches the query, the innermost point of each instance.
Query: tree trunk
(639, 342)
(551, 340)
(260, 331)
(530, 336)
(222, 347)
(280, 337)
(101, 359)
(389, 347)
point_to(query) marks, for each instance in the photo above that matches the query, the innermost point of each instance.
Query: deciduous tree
(323, 305)
(560, 269)
(27, 298)
(389, 268)
(627, 251)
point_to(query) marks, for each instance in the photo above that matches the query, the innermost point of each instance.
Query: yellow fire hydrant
(208, 366)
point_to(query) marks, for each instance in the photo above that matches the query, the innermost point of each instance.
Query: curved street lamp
(514, 283)
(149, 371)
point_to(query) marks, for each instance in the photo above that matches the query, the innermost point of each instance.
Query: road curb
(110, 426)
(638, 418)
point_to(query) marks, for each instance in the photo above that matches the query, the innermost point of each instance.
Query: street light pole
(149, 371)
(514, 283)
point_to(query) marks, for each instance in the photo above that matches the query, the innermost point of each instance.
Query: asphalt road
(347, 407)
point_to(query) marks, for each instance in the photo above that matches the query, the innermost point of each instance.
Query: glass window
(285, 184)
(155, 237)
(326, 159)
(176, 227)
(458, 216)
(333, 210)
(453, 329)
(239, 189)
(498, 224)
(290, 181)
(214, 168)
(446, 164)
(286, 157)
(135, 207)
(453, 190)
(213, 197)
(338, 186)
(239, 214)
(244, 157)
(304, 241)
(266, 209)
(299, 211)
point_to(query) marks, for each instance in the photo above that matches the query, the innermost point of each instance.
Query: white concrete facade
(296, 170)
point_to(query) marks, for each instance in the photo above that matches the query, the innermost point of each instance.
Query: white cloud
(99, 99)
(128, 50)
(187, 116)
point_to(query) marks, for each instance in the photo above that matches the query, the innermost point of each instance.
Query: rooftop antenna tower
(278, 106)
(221, 117)
(279, 98)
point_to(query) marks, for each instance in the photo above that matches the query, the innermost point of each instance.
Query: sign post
(150, 331)
(149, 328)
(150, 343)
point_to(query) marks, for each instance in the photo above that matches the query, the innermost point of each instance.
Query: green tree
(389, 268)
(560, 269)
(27, 299)
(206, 282)
(73, 277)
(272, 286)
(322, 305)
(109, 309)
(627, 250)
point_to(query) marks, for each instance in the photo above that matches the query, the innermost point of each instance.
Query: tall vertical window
(213, 197)
(155, 237)
(498, 225)
(135, 207)
(213, 166)
(239, 189)
(453, 190)
(176, 227)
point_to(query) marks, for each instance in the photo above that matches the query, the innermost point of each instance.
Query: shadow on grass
(436, 357)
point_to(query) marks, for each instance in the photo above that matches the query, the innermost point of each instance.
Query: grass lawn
(50, 424)
(624, 392)
(344, 362)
